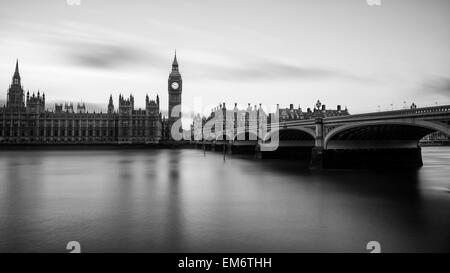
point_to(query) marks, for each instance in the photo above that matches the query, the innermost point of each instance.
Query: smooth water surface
(185, 201)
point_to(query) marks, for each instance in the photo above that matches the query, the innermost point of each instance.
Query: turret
(58, 107)
(68, 108)
(126, 106)
(81, 108)
(110, 105)
(16, 76)
(152, 107)
(35, 104)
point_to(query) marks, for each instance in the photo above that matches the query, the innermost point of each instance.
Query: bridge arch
(294, 133)
(414, 130)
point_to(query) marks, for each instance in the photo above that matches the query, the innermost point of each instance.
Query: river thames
(187, 201)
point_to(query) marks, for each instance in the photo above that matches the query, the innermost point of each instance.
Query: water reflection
(174, 208)
(185, 201)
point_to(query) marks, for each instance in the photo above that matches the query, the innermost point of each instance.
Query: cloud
(87, 45)
(436, 85)
(101, 55)
(102, 48)
(276, 69)
(260, 68)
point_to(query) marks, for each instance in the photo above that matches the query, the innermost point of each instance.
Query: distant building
(252, 116)
(436, 138)
(319, 110)
(26, 121)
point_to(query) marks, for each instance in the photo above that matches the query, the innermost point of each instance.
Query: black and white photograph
(224, 126)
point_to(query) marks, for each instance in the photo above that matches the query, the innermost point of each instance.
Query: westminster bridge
(389, 138)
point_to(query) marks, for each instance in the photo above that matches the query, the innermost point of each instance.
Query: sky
(245, 51)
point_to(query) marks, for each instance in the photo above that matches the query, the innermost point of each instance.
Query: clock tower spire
(175, 86)
(15, 97)
(175, 62)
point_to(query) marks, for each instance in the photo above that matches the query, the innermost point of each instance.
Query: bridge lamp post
(404, 104)
(392, 106)
(379, 108)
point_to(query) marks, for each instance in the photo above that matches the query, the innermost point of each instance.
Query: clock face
(174, 85)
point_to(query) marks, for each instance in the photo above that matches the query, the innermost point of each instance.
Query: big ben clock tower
(175, 86)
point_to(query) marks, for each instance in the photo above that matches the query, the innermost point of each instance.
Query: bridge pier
(230, 148)
(242, 147)
(220, 147)
(208, 146)
(366, 158)
(317, 158)
(321, 158)
(299, 153)
(258, 152)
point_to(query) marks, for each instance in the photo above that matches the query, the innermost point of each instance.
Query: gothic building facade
(25, 120)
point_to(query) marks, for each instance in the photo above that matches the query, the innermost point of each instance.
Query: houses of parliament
(25, 120)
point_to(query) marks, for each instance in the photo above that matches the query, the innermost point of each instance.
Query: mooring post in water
(223, 151)
(258, 152)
